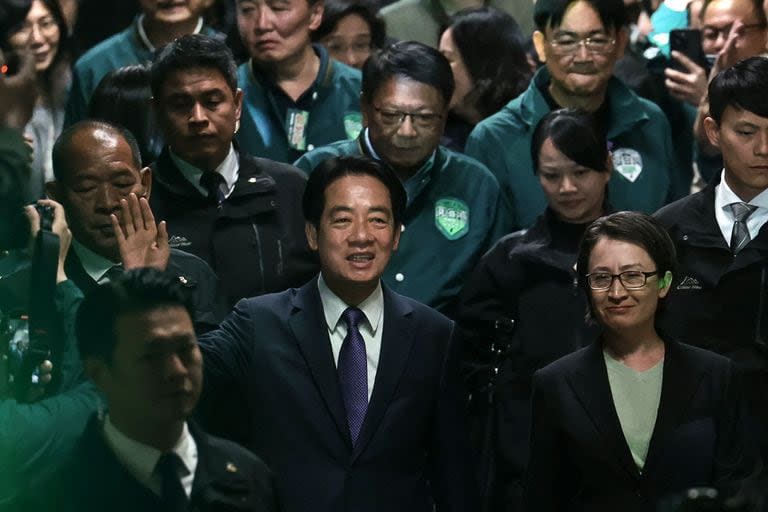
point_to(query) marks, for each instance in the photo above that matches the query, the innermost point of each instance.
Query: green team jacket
(639, 137)
(453, 216)
(332, 105)
(35, 438)
(123, 49)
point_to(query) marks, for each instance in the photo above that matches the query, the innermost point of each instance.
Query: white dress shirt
(724, 196)
(229, 169)
(140, 459)
(371, 329)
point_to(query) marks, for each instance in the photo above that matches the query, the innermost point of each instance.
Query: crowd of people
(340, 255)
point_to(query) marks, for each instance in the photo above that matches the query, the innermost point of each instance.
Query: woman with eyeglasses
(350, 31)
(633, 417)
(44, 34)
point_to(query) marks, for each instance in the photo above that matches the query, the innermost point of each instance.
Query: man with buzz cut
(719, 297)
(580, 42)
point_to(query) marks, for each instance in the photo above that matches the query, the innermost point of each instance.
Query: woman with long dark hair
(486, 50)
(44, 32)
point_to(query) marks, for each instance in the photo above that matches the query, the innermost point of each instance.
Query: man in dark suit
(347, 390)
(236, 212)
(97, 166)
(138, 345)
(719, 298)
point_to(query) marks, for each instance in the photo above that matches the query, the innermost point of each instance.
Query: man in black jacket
(719, 297)
(97, 165)
(239, 213)
(137, 343)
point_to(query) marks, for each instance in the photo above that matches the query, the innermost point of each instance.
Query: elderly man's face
(405, 120)
(101, 172)
(174, 11)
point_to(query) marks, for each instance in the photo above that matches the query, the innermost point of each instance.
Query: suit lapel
(590, 383)
(75, 272)
(396, 341)
(679, 383)
(308, 325)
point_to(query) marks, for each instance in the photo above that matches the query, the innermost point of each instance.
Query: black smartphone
(688, 42)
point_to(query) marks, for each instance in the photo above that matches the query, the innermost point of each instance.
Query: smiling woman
(44, 34)
(633, 417)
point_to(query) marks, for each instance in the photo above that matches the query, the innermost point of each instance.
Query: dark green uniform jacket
(274, 126)
(639, 136)
(453, 217)
(123, 49)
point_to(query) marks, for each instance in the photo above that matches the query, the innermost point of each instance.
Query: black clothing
(718, 300)
(227, 478)
(527, 276)
(195, 274)
(254, 239)
(580, 460)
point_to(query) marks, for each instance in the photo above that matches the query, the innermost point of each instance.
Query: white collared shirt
(724, 196)
(94, 264)
(140, 459)
(371, 329)
(143, 33)
(229, 169)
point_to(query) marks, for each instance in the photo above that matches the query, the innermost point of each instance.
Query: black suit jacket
(580, 460)
(195, 274)
(271, 384)
(227, 478)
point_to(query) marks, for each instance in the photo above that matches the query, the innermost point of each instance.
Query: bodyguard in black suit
(136, 339)
(347, 390)
(633, 418)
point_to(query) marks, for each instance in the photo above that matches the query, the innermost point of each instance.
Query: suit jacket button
(399, 277)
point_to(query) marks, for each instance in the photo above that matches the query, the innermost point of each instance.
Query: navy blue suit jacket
(271, 384)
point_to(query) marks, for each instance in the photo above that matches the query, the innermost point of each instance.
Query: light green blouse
(636, 396)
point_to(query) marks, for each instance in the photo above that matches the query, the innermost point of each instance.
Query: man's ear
(238, 107)
(311, 231)
(398, 231)
(622, 40)
(316, 15)
(52, 190)
(145, 175)
(98, 371)
(539, 43)
(364, 110)
(712, 131)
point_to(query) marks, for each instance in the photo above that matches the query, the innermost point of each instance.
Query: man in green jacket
(580, 41)
(454, 211)
(295, 97)
(157, 25)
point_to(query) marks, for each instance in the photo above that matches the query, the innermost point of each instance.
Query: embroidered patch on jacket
(452, 217)
(353, 124)
(689, 283)
(628, 163)
(178, 241)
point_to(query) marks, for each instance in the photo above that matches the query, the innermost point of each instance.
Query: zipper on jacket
(280, 257)
(261, 256)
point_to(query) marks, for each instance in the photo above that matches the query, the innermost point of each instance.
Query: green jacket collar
(625, 112)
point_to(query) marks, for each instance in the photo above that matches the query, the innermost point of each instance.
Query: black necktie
(173, 495)
(212, 182)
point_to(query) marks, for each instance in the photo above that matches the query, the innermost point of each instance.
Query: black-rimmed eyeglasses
(630, 279)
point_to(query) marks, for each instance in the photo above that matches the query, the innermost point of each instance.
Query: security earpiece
(666, 280)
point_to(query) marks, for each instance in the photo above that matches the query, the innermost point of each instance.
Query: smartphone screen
(688, 42)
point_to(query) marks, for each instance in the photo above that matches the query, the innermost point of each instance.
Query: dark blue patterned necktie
(173, 495)
(353, 372)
